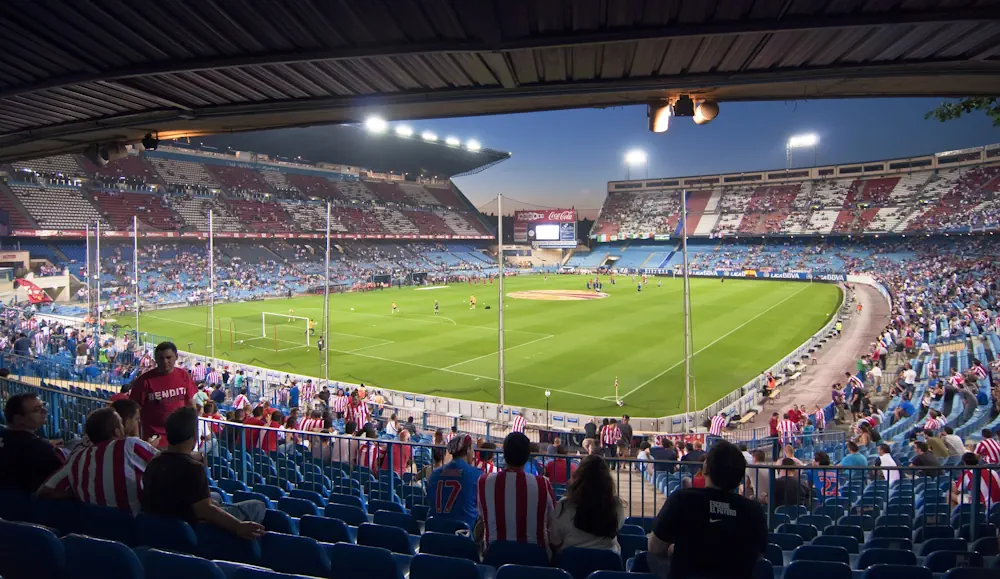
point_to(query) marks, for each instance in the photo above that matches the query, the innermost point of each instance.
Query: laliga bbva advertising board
(548, 228)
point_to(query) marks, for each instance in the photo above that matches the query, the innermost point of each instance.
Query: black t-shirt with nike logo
(716, 534)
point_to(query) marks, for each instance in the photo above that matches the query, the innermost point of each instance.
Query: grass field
(573, 348)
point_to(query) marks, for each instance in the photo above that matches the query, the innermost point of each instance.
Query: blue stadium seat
(231, 486)
(325, 529)
(819, 521)
(240, 496)
(807, 532)
(775, 555)
(109, 523)
(378, 563)
(353, 516)
(881, 571)
(793, 511)
(831, 510)
(847, 531)
(637, 564)
(215, 543)
(645, 522)
(632, 544)
(291, 554)
(297, 507)
(400, 520)
(971, 573)
(817, 570)
(439, 524)
(420, 512)
(929, 532)
(786, 541)
(63, 517)
(513, 571)
(821, 553)
(14, 505)
(312, 496)
(892, 520)
(512, 553)
(871, 557)
(279, 522)
(632, 530)
(580, 562)
(762, 569)
(932, 545)
(889, 543)
(892, 531)
(232, 569)
(425, 566)
(392, 538)
(986, 546)
(984, 530)
(165, 565)
(167, 534)
(866, 522)
(449, 545)
(30, 552)
(850, 544)
(89, 558)
(375, 506)
(270, 491)
(941, 561)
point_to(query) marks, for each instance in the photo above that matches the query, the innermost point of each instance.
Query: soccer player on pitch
(395, 308)
(437, 307)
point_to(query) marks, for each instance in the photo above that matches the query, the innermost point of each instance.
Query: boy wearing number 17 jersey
(452, 487)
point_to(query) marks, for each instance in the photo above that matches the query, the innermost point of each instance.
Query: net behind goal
(289, 327)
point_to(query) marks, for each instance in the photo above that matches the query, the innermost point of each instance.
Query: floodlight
(635, 157)
(428, 136)
(705, 111)
(404, 131)
(548, 393)
(803, 141)
(453, 141)
(473, 145)
(376, 125)
(659, 117)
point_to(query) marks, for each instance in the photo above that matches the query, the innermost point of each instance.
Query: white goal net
(285, 327)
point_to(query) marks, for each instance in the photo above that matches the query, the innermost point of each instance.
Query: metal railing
(254, 462)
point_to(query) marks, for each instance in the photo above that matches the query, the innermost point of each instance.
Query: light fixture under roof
(376, 124)
(404, 131)
(473, 145)
(453, 141)
(428, 136)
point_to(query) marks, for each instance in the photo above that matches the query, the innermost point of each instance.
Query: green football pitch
(575, 349)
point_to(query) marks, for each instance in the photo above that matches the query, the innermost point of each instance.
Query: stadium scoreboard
(546, 228)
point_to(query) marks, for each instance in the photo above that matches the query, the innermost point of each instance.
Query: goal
(297, 326)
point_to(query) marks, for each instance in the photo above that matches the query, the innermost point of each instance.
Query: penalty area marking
(709, 345)
(494, 353)
(433, 287)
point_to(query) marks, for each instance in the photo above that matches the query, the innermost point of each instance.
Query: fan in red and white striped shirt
(340, 403)
(370, 455)
(359, 412)
(610, 434)
(314, 423)
(988, 448)
(519, 423)
(856, 382)
(718, 424)
(241, 400)
(786, 429)
(107, 470)
(820, 417)
(485, 456)
(979, 370)
(514, 505)
(934, 421)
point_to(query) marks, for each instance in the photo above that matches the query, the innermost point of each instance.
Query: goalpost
(301, 323)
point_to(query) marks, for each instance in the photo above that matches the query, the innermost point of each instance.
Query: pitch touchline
(405, 319)
(494, 353)
(713, 342)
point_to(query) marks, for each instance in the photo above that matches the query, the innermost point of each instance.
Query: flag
(616, 387)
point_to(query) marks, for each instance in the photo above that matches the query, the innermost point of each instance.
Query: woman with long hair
(591, 513)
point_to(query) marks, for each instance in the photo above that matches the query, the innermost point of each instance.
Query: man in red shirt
(251, 436)
(162, 390)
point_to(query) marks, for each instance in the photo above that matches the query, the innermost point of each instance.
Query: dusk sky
(566, 158)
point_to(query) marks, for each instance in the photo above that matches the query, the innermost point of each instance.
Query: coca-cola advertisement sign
(545, 216)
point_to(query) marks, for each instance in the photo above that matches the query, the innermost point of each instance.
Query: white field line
(713, 342)
(494, 353)
(390, 360)
(385, 343)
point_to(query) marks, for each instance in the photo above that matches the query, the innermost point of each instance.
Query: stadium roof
(74, 72)
(352, 145)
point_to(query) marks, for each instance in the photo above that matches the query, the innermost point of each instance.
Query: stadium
(227, 353)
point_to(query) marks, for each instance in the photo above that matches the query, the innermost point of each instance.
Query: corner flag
(618, 400)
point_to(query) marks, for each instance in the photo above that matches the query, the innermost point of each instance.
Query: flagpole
(135, 270)
(500, 368)
(326, 304)
(90, 299)
(97, 318)
(687, 313)
(211, 284)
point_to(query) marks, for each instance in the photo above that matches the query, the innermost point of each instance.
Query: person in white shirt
(909, 375)
(888, 463)
(392, 426)
(877, 377)
(952, 442)
(591, 513)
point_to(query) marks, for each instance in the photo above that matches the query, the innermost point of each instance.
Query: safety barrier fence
(256, 462)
